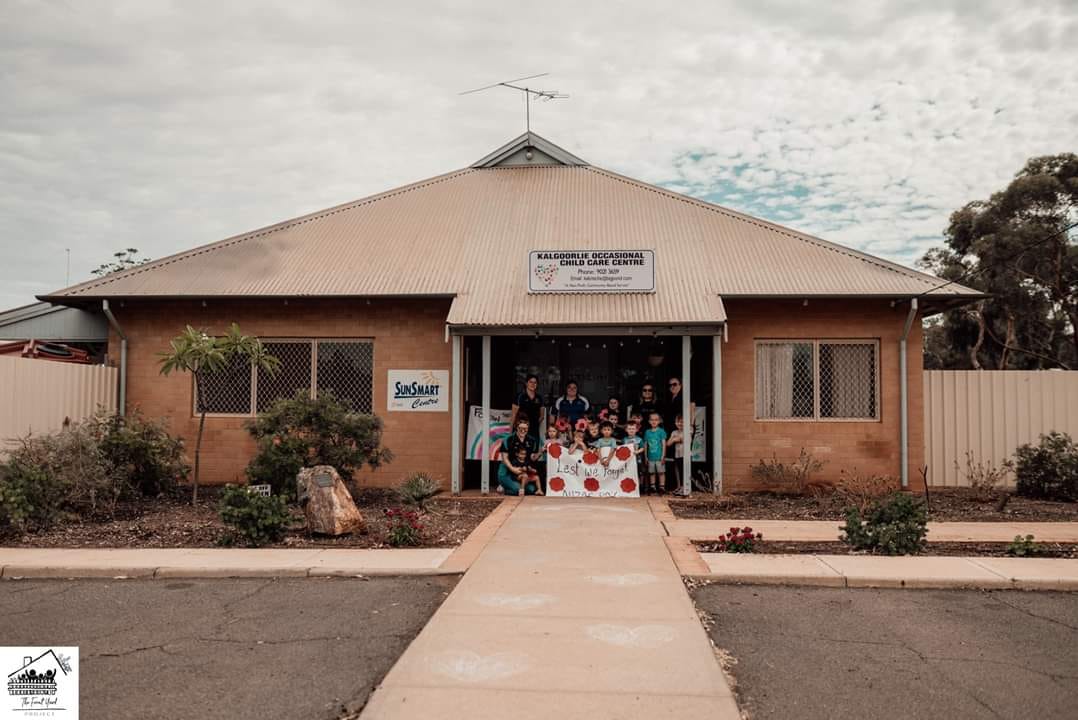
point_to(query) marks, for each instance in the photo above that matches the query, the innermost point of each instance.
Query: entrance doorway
(603, 366)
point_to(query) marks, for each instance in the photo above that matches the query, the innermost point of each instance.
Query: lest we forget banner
(581, 473)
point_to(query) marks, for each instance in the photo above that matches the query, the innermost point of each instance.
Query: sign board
(499, 431)
(263, 490)
(418, 391)
(591, 271)
(583, 474)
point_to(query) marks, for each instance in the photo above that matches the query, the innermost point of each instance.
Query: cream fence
(37, 395)
(989, 413)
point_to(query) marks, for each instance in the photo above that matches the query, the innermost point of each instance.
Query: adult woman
(572, 405)
(646, 405)
(518, 455)
(528, 404)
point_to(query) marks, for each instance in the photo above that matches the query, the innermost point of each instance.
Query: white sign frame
(572, 474)
(410, 391)
(591, 271)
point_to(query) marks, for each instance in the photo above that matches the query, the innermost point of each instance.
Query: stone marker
(326, 502)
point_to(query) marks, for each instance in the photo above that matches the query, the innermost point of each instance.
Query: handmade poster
(499, 431)
(699, 435)
(583, 474)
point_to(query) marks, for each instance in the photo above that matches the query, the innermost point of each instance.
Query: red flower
(591, 485)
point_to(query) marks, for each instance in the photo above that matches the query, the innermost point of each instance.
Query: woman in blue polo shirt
(571, 405)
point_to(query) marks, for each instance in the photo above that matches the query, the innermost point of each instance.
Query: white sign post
(591, 271)
(583, 474)
(418, 391)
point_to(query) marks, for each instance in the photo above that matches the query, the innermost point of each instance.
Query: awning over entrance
(518, 312)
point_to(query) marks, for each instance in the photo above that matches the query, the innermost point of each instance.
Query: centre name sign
(591, 271)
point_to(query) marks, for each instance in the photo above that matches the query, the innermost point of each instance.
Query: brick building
(430, 303)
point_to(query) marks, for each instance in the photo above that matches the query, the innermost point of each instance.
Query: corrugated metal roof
(44, 321)
(467, 234)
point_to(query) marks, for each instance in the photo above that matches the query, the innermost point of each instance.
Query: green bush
(895, 525)
(1048, 470)
(85, 469)
(301, 431)
(259, 519)
(417, 488)
(1023, 547)
(141, 451)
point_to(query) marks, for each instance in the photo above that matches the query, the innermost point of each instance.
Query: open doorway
(602, 366)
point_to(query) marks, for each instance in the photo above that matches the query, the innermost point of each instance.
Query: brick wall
(407, 334)
(867, 447)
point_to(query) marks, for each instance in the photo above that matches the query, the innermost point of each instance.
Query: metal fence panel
(38, 395)
(989, 413)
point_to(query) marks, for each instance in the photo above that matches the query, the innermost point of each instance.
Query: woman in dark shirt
(528, 404)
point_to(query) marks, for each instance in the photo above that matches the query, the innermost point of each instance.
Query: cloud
(163, 126)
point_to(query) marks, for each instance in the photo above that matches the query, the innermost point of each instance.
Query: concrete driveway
(836, 653)
(273, 648)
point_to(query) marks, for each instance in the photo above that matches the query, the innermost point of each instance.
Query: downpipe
(122, 402)
(903, 385)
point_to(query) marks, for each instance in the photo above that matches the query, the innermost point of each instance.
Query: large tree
(1019, 246)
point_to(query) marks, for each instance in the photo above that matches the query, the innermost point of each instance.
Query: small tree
(125, 259)
(204, 355)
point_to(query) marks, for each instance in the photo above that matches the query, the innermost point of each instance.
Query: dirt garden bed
(1049, 550)
(172, 522)
(945, 505)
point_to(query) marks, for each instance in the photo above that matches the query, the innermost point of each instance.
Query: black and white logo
(41, 682)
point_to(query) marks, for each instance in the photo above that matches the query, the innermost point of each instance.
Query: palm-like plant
(203, 355)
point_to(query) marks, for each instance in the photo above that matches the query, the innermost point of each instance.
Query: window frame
(816, 343)
(313, 343)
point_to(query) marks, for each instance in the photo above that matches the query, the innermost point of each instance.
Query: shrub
(417, 488)
(27, 498)
(983, 476)
(896, 525)
(1048, 470)
(258, 518)
(403, 527)
(738, 540)
(860, 490)
(141, 451)
(1023, 547)
(301, 431)
(792, 477)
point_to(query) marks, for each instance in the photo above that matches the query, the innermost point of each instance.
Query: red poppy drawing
(554, 450)
(591, 485)
(623, 453)
(628, 485)
(591, 458)
(556, 484)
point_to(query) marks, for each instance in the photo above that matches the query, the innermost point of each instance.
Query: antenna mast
(528, 93)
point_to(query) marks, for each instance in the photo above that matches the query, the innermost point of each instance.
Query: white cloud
(166, 125)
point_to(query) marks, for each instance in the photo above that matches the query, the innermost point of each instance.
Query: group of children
(651, 449)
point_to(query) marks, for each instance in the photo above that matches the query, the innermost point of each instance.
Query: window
(817, 380)
(343, 367)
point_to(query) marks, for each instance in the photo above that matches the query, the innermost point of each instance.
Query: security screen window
(817, 380)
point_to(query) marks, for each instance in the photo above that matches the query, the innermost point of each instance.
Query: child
(619, 432)
(655, 440)
(606, 441)
(578, 441)
(637, 444)
(553, 437)
(677, 442)
(592, 435)
(513, 475)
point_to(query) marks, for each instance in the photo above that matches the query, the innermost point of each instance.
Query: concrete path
(573, 610)
(219, 562)
(986, 573)
(827, 531)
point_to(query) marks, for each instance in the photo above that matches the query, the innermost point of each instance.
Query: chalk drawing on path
(642, 636)
(627, 580)
(515, 602)
(471, 667)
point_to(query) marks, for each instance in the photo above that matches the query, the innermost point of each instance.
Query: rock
(326, 502)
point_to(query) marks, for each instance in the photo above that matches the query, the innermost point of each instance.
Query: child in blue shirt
(655, 442)
(606, 440)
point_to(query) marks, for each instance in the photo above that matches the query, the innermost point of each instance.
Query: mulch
(945, 505)
(1050, 550)
(172, 522)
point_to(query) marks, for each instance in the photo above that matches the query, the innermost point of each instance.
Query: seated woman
(513, 474)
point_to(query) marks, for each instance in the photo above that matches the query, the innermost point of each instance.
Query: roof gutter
(122, 402)
(903, 384)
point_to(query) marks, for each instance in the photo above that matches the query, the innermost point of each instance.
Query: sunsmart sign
(418, 391)
(591, 271)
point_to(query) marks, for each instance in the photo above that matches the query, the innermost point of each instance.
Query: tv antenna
(528, 94)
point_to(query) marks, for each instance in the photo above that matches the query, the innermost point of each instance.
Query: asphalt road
(274, 648)
(832, 653)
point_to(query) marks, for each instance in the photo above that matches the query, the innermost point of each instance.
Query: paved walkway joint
(574, 609)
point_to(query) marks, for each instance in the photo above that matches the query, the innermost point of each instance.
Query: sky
(166, 125)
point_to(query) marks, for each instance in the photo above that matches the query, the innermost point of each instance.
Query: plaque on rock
(329, 507)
